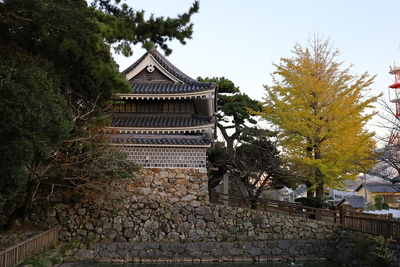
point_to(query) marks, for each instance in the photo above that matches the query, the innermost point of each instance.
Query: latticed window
(158, 106)
(162, 157)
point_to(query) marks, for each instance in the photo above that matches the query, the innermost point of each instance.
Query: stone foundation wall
(169, 205)
(177, 223)
(283, 250)
(349, 250)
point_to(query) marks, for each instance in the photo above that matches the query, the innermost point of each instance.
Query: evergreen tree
(233, 115)
(247, 152)
(33, 118)
(58, 80)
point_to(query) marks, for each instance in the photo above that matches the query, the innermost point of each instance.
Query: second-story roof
(151, 121)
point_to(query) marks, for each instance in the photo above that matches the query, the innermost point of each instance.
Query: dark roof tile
(355, 201)
(160, 121)
(377, 188)
(168, 88)
(298, 191)
(395, 180)
(157, 140)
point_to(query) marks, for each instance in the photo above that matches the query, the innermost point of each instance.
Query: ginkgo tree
(321, 109)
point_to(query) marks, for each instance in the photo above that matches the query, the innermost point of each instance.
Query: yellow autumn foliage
(321, 109)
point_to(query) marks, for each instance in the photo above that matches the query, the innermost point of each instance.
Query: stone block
(192, 247)
(204, 210)
(177, 248)
(247, 225)
(183, 227)
(283, 244)
(254, 251)
(174, 236)
(84, 255)
(188, 198)
(142, 254)
(200, 224)
(117, 227)
(120, 239)
(236, 252)
(154, 254)
(276, 251)
(206, 246)
(195, 204)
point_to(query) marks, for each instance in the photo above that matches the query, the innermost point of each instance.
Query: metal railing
(16, 254)
(376, 224)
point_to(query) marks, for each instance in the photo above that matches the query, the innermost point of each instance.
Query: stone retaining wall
(284, 250)
(169, 205)
(177, 223)
(165, 215)
(355, 250)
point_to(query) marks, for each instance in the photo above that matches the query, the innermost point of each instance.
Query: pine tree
(57, 81)
(248, 153)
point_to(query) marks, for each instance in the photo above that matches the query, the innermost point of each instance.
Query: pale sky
(241, 39)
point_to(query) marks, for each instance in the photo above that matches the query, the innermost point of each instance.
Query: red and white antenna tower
(395, 135)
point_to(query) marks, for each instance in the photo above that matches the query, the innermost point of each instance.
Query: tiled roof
(355, 201)
(168, 88)
(395, 180)
(158, 140)
(381, 188)
(190, 85)
(298, 191)
(160, 121)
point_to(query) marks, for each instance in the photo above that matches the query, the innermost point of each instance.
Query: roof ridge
(172, 69)
(168, 66)
(137, 62)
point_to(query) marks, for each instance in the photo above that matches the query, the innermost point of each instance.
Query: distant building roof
(395, 180)
(356, 202)
(380, 188)
(298, 191)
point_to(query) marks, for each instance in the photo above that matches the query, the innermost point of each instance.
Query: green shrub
(44, 258)
(385, 206)
(385, 255)
(378, 202)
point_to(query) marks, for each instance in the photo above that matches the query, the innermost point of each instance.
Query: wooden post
(213, 195)
(317, 214)
(342, 216)
(225, 187)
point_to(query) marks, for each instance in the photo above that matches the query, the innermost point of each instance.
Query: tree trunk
(13, 218)
(310, 192)
(319, 177)
(228, 139)
(25, 209)
(320, 191)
